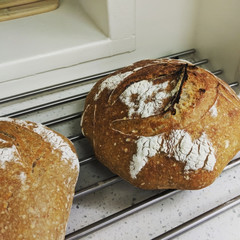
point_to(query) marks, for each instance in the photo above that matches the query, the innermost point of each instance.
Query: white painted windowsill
(64, 37)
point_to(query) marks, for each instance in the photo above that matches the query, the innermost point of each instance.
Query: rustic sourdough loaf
(38, 173)
(163, 124)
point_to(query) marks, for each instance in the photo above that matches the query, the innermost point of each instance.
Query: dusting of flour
(144, 90)
(112, 82)
(2, 141)
(8, 154)
(58, 143)
(213, 110)
(22, 177)
(196, 154)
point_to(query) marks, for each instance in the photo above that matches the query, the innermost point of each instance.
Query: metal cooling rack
(55, 100)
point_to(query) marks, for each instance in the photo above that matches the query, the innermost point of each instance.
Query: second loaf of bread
(163, 124)
(38, 172)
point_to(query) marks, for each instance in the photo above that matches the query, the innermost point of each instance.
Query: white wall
(217, 35)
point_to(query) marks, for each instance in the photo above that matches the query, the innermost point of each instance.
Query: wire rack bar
(97, 186)
(63, 119)
(76, 137)
(194, 222)
(200, 62)
(47, 105)
(87, 160)
(180, 54)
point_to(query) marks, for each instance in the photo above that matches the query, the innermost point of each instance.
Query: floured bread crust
(38, 172)
(163, 124)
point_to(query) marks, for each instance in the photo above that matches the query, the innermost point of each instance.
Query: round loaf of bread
(38, 172)
(163, 124)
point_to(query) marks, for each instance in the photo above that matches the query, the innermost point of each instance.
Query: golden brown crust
(37, 181)
(191, 104)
